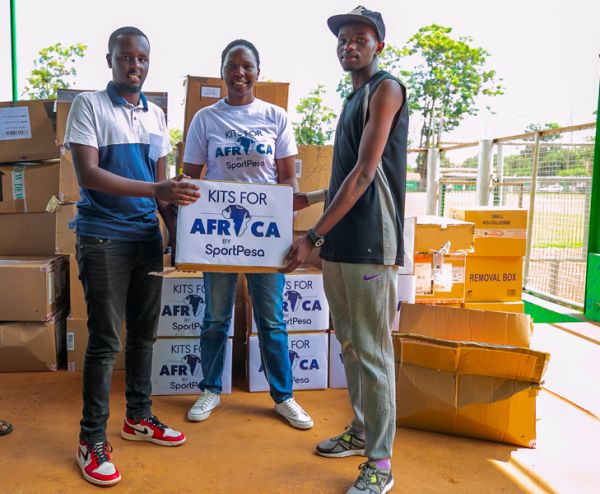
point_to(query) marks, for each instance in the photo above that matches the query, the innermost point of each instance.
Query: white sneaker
(204, 405)
(294, 414)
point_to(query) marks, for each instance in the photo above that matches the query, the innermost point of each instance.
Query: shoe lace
(292, 406)
(152, 420)
(205, 400)
(101, 452)
(368, 474)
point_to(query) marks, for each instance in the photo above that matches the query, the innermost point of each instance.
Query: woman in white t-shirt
(265, 148)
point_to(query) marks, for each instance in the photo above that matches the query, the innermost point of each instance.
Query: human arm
(383, 108)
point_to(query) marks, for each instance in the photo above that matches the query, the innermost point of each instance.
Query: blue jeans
(117, 286)
(266, 292)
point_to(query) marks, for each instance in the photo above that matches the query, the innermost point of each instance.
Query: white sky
(545, 51)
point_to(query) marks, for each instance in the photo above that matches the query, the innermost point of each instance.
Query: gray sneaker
(372, 480)
(346, 444)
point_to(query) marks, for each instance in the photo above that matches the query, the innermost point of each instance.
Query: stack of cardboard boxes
(33, 281)
(494, 271)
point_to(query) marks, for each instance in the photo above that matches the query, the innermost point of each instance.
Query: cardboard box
(337, 374)
(27, 188)
(27, 131)
(68, 185)
(32, 288)
(493, 279)
(177, 369)
(440, 279)
(518, 307)
(469, 389)
(234, 226)
(66, 239)
(78, 307)
(437, 321)
(32, 346)
(205, 91)
(30, 234)
(182, 305)
(77, 341)
(499, 231)
(313, 171)
(433, 232)
(305, 307)
(409, 246)
(308, 356)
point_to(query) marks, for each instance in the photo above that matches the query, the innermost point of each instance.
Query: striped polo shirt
(129, 139)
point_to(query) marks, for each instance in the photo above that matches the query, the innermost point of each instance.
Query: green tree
(536, 127)
(316, 124)
(53, 69)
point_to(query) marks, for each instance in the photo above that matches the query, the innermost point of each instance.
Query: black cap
(359, 14)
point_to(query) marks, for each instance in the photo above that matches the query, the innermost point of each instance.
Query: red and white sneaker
(151, 430)
(95, 463)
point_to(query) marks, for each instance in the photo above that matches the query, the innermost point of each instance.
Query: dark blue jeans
(117, 287)
(266, 292)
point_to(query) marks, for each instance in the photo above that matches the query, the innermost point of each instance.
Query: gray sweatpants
(362, 300)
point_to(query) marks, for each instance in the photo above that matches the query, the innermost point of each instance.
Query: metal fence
(547, 172)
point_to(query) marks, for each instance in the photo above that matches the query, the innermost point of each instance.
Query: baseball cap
(359, 14)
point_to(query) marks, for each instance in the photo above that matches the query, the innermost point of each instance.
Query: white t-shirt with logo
(240, 143)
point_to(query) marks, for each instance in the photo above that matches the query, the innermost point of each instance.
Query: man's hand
(176, 191)
(300, 201)
(298, 253)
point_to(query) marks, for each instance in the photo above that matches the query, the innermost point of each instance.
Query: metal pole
(484, 172)
(433, 177)
(13, 43)
(534, 171)
(499, 190)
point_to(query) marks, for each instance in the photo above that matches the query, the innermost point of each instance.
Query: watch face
(320, 241)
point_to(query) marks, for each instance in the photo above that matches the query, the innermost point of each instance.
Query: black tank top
(372, 231)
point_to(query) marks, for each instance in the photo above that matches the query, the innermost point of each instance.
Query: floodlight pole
(13, 43)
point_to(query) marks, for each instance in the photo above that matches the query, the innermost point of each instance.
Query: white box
(407, 289)
(240, 226)
(337, 374)
(305, 307)
(308, 356)
(182, 305)
(176, 368)
(409, 246)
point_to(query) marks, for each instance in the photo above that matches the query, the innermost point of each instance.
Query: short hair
(134, 31)
(244, 43)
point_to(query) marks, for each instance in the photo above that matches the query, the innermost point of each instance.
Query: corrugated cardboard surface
(76, 344)
(471, 389)
(42, 123)
(31, 346)
(27, 188)
(499, 231)
(30, 234)
(457, 324)
(448, 290)
(32, 288)
(76, 296)
(432, 232)
(496, 306)
(493, 279)
(65, 237)
(205, 91)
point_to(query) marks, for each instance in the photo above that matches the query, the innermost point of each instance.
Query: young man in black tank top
(361, 235)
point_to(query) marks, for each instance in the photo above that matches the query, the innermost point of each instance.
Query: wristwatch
(315, 238)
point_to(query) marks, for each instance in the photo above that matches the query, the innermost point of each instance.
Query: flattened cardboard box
(27, 131)
(499, 231)
(68, 185)
(468, 389)
(32, 346)
(518, 306)
(206, 91)
(76, 343)
(30, 234)
(32, 288)
(27, 188)
(235, 227)
(177, 366)
(493, 279)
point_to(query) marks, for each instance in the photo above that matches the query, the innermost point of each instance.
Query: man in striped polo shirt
(119, 142)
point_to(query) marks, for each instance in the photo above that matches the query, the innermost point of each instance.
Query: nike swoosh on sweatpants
(368, 277)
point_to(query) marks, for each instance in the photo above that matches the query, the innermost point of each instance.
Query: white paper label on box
(177, 366)
(70, 341)
(423, 285)
(298, 168)
(210, 92)
(18, 183)
(305, 306)
(182, 306)
(236, 224)
(337, 374)
(458, 274)
(308, 357)
(14, 123)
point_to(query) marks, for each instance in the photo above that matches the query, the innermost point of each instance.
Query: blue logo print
(194, 302)
(240, 217)
(246, 143)
(193, 362)
(293, 299)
